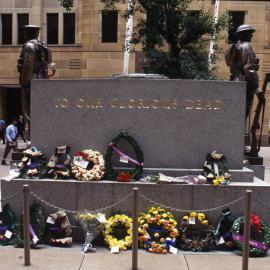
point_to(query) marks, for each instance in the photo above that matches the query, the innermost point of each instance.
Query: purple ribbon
(3, 228)
(253, 243)
(32, 232)
(128, 157)
(56, 229)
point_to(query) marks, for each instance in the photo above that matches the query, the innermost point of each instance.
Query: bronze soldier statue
(32, 64)
(244, 64)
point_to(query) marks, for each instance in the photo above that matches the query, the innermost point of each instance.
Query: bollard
(247, 229)
(135, 230)
(26, 222)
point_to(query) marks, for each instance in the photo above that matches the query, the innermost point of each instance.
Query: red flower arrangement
(256, 222)
(124, 177)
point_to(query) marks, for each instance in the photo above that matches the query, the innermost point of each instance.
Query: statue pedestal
(255, 160)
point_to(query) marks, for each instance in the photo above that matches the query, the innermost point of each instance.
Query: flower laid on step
(92, 225)
(33, 164)
(216, 169)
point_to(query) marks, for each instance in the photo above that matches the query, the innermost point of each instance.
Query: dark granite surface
(178, 137)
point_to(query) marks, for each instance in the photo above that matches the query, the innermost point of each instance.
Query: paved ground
(72, 259)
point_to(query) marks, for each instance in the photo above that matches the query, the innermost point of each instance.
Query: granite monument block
(175, 122)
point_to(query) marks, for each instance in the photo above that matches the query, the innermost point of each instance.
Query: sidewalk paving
(71, 258)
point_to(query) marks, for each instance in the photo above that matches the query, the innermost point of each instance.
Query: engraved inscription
(141, 104)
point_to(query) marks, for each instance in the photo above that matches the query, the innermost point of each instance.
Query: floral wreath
(88, 165)
(118, 231)
(196, 233)
(157, 230)
(216, 169)
(123, 176)
(258, 230)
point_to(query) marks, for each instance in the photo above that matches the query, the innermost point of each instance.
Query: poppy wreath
(196, 233)
(157, 230)
(259, 236)
(124, 176)
(88, 165)
(118, 232)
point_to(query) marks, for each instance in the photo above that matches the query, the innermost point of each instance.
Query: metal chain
(50, 204)
(189, 210)
(11, 196)
(111, 206)
(261, 203)
(76, 212)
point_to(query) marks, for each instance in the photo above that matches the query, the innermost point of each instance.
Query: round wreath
(118, 232)
(123, 176)
(216, 169)
(196, 233)
(157, 230)
(88, 165)
(263, 233)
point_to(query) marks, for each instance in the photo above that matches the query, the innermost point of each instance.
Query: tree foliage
(173, 38)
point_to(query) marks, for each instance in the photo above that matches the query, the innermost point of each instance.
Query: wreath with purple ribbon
(259, 237)
(124, 175)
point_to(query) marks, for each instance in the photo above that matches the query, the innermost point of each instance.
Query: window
(52, 28)
(22, 19)
(109, 26)
(237, 19)
(193, 13)
(69, 28)
(6, 29)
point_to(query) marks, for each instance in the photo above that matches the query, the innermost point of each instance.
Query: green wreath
(125, 176)
(253, 251)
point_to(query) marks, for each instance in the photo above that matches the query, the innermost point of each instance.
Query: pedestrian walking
(11, 143)
(21, 127)
(2, 130)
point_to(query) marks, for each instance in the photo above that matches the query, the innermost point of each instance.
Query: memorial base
(78, 196)
(259, 170)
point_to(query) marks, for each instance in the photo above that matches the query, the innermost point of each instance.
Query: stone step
(79, 195)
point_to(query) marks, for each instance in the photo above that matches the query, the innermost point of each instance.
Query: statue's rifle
(256, 145)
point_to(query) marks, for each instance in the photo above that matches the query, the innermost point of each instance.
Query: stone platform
(78, 196)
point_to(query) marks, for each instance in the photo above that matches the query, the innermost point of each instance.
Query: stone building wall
(89, 57)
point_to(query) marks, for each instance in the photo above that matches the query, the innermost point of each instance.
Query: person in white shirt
(11, 136)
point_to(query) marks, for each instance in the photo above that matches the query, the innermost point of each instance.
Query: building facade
(88, 43)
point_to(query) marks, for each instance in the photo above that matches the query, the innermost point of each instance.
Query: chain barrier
(100, 210)
(103, 209)
(217, 208)
(11, 196)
